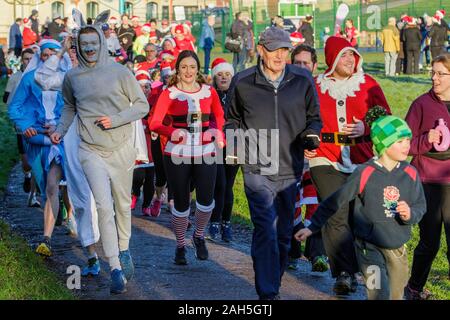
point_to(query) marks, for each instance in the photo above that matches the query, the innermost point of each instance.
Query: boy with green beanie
(389, 199)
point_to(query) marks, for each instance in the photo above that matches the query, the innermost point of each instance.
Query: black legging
(223, 193)
(180, 178)
(160, 170)
(144, 176)
(337, 235)
(438, 213)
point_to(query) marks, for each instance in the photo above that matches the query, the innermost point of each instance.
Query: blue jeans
(272, 205)
(207, 59)
(239, 60)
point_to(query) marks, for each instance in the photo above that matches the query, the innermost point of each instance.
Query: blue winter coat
(207, 36)
(15, 37)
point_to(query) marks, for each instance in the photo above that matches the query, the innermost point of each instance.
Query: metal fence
(369, 16)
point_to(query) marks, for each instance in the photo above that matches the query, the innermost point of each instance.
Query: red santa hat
(25, 20)
(220, 65)
(410, 20)
(334, 49)
(134, 18)
(297, 37)
(153, 35)
(179, 28)
(167, 68)
(167, 54)
(142, 76)
(188, 25)
(112, 20)
(440, 14)
(146, 28)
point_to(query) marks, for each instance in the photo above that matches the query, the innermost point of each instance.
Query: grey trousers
(390, 60)
(110, 177)
(385, 270)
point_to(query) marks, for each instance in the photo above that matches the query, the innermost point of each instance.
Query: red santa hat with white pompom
(220, 65)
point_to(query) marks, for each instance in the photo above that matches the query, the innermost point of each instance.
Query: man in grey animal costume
(106, 98)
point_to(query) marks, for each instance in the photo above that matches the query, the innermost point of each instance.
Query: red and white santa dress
(190, 111)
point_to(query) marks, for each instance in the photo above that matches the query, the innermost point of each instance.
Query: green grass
(8, 145)
(400, 92)
(23, 274)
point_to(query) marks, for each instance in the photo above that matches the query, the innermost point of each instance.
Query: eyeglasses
(439, 74)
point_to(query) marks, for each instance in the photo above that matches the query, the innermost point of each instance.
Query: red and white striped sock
(179, 225)
(201, 221)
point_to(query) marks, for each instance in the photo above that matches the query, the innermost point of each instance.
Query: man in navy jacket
(275, 107)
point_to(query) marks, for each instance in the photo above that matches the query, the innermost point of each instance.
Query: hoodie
(376, 192)
(106, 89)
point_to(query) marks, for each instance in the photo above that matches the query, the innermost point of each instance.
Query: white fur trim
(203, 208)
(142, 71)
(335, 62)
(193, 99)
(341, 89)
(322, 161)
(221, 67)
(309, 200)
(179, 214)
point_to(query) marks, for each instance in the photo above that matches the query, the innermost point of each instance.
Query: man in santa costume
(345, 93)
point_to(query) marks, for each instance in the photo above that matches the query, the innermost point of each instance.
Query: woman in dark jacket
(220, 222)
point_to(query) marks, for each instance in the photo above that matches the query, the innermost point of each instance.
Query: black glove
(311, 142)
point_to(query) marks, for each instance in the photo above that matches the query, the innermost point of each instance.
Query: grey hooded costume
(106, 89)
(106, 156)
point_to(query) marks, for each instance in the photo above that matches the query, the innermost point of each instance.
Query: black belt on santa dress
(342, 139)
(191, 117)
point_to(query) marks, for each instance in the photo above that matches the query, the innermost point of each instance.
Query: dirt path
(228, 274)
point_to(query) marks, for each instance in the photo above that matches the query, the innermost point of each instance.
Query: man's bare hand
(55, 138)
(302, 234)
(30, 132)
(310, 154)
(104, 122)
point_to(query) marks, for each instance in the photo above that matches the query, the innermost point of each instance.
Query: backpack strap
(365, 175)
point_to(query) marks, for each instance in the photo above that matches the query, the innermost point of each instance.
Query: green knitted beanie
(386, 130)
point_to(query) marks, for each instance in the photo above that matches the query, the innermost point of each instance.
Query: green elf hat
(386, 129)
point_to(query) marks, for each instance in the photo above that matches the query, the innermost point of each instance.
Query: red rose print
(391, 193)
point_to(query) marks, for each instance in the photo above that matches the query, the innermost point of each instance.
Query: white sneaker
(33, 201)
